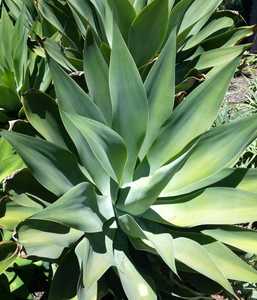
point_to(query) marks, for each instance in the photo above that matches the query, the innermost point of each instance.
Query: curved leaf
(230, 264)
(187, 121)
(237, 237)
(160, 88)
(71, 97)
(145, 36)
(8, 254)
(77, 209)
(196, 257)
(97, 78)
(9, 160)
(43, 114)
(105, 143)
(208, 30)
(211, 206)
(198, 10)
(207, 159)
(55, 168)
(129, 101)
(46, 239)
(134, 284)
(139, 195)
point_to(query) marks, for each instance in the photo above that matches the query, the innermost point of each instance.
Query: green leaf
(237, 237)
(68, 272)
(198, 10)
(9, 160)
(81, 105)
(84, 10)
(6, 32)
(177, 13)
(104, 142)
(49, 164)
(106, 15)
(8, 254)
(67, 89)
(97, 78)
(96, 257)
(208, 30)
(9, 99)
(211, 206)
(92, 167)
(43, 114)
(219, 56)
(145, 36)
(197, 258)
(184, 125)
(230, 264)
(58, 14)
(162, 242)
(123, 14)
(248, 180)
(206, 159)
(20, 48)
(160, 88)
(127, 93)
(11, 214)
(46, 239)
(77, 209)
(54, 50)
(133, 283)
(139, 195)
(139, 5)
(240, 34)
(22, 182)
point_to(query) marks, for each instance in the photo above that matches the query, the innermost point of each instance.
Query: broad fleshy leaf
(126, 95)
(75, 209)
(97, 77)
(160, 88)
(207, 159)
(61, 170)
(184, 125)
(8, 254)
(106, 144)
(196, 257)
(145, 36)
(211, 206)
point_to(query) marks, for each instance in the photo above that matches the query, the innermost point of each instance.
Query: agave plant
(205, 37)
(127, 190)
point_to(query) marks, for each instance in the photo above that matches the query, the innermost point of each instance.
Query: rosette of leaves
(129, 194)
(205, 37)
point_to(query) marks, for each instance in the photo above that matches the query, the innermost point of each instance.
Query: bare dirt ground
(238, 89)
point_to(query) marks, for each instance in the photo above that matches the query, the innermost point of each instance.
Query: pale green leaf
(207, 159)
(49, 164)
(160, 88)
(77, 209)
(211, 206)
(97, 78)
(127, 93)
(145, 36)
(105, 143)
(196, 257)
(187, 122)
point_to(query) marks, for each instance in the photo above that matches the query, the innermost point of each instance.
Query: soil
(238, 89)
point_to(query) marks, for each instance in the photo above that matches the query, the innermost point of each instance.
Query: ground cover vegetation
(116, 182)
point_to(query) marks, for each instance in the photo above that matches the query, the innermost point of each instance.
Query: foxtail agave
(205, 37)
(128, 190)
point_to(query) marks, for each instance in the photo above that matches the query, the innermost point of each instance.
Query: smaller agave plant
(127, 191)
